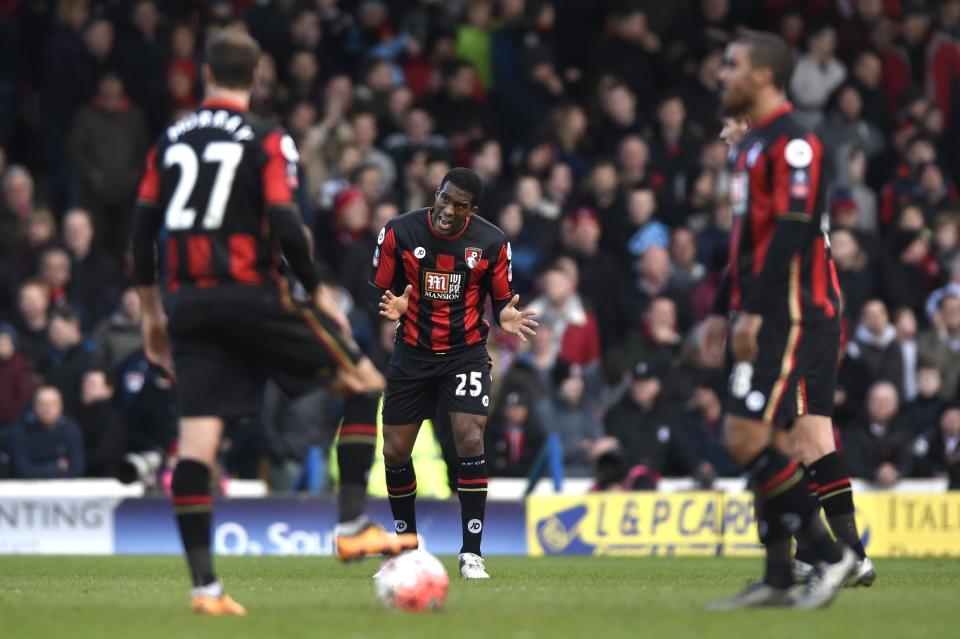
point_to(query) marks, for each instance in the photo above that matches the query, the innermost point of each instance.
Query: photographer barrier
(723, 524)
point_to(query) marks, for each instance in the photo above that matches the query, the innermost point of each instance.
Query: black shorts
(795, 374)
(418, 383)
(227, 342)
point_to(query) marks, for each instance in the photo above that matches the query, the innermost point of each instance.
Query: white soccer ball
(414, 580)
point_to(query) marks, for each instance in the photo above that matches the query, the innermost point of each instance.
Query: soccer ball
(414, 580)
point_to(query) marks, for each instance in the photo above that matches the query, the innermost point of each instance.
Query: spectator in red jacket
(16, 384)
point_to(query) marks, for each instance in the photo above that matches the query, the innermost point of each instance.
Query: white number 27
(476, 386)
(228, 156)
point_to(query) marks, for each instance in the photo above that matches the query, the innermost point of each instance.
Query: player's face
(452, 208)
(736, 92)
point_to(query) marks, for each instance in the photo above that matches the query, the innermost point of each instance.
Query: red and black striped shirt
(451, 278)
(778, 185)
(213, 177)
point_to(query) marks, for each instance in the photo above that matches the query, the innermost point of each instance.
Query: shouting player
(811, 442)
(216, 197)
(781, 286)
(432, 270)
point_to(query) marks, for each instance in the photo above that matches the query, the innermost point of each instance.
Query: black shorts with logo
(417, 382)
(228, 341)
(795, 374)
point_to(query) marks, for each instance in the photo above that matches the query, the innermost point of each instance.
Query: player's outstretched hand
(517, 322)
(393, 307)
(156, 343)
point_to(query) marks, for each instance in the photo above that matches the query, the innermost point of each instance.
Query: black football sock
(804, 551)
(836, 496)
(402, 491)
(776, 543)
(472, 491)
(356, 442)
(785, 497)
(193, 505)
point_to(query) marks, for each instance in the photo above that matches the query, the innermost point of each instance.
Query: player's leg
(465, 391)
(398, 442)
(472, 479)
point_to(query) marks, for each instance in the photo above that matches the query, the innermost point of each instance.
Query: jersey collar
(446, 237)
(783, 109)
(220, 103)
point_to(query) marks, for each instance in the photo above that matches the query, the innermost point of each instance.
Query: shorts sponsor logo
(756, 401)
(485, 400)
(419, 252)
(442, 286)
(472, 256)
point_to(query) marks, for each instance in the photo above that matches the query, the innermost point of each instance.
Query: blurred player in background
(433, 269)
(781, 287)
(812, 443)
(214, 209)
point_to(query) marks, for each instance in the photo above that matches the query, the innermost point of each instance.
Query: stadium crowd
(594, 126)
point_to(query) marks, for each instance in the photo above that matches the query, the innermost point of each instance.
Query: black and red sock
(835, 493)
(356, 442)
(472, 491)
(193, 506)
(402, 491)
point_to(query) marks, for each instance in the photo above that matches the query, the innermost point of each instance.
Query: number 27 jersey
(215, 174)
(451, 277)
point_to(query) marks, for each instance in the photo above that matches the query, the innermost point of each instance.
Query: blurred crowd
(594, 128)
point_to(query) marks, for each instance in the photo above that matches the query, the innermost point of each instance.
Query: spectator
(647, 428)
(16, 384)
(619, 116)
(952, 287)
(938, 452)
(70, 356)
(108, 142)
(148, 400)
(104, 432)
(846, 129)
(570, 411)
(653, 280)
(674, 156)
(514, 436)
(16, 204)
(687, 271)
(906, 324)
(120, 335)
(875, 343)
(940, 345)
(46, 444)
(94, 273)
(646, 230)
(32, 320)
(878, 446)
(817, 73)
(926, 406)
(576, 332)
(702, 426)
(856, 278)
(658, 341)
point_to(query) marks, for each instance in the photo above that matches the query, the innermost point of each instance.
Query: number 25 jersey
(451, 277)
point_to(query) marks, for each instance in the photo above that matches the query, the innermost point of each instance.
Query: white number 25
(476, 386)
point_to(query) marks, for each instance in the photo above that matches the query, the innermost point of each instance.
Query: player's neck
(766, 104)
(239, 97)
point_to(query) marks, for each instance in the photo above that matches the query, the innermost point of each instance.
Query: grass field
(599, 598)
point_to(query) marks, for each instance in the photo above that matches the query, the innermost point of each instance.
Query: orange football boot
(373, 540)
(222, 606)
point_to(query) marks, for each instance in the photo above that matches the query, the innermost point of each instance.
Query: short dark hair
(232, 57)
(65, 312)
(771, 51)
(464, 178)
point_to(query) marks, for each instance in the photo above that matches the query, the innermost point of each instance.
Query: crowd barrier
(103, 518)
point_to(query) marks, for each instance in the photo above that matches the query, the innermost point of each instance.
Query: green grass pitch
(597, 598)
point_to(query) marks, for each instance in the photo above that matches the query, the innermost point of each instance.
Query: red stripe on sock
(840, 483)
(192, 500)
(401, 489)
(472, 482)
(359, 429)
(779, 478)
(812, 486)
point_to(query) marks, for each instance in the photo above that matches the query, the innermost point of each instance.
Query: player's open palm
(517, 322)
(393, 307)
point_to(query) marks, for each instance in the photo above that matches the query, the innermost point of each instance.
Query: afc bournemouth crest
(472, 256)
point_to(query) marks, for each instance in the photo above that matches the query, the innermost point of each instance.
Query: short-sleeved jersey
(778, 170)
(214, 174)
(451, 278)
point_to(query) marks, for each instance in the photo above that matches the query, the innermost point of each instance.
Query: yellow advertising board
(714, 523)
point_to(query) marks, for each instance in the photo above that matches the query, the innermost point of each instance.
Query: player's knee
(744, 439)
(396, 452)
(813, 438)
(470, 441)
